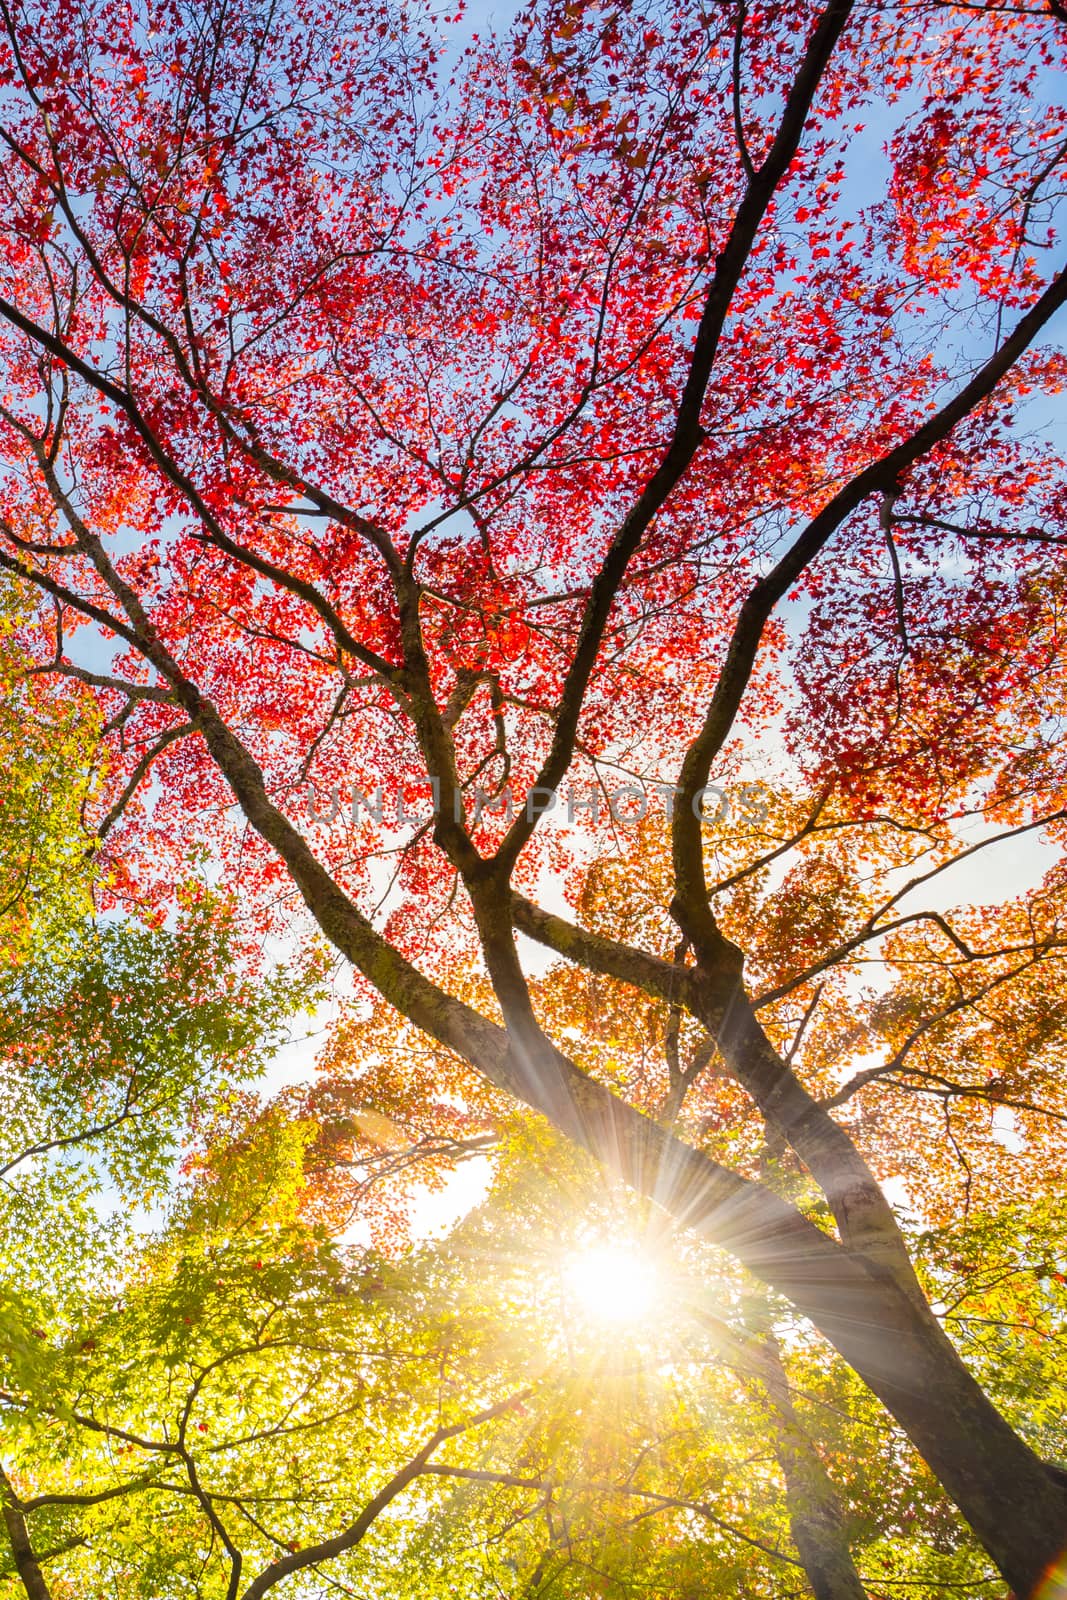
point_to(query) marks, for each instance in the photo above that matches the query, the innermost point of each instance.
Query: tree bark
(26, 1564)
(884, 1331)
(816, 1520)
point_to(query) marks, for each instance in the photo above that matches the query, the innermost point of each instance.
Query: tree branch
(26, 1563)
(690, 906)
(687, 434)
(297, 1560)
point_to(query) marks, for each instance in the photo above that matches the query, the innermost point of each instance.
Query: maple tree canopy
(644, 398)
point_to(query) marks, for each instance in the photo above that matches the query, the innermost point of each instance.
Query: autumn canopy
(539, 542)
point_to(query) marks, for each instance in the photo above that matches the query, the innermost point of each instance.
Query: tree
(241, 1400)
(227, 1406)
(193, 1406)
(360, 430)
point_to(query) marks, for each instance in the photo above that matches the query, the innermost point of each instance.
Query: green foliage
(120, 1026)
(199, 1381)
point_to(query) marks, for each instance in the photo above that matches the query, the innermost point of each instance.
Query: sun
(613, 1283)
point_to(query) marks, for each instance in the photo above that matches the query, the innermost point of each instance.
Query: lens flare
(1053, 1585)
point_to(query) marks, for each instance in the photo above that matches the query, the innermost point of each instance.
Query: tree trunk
(26, 1564)
(887, 1334)
(1003, 1489)
(816, 1519)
